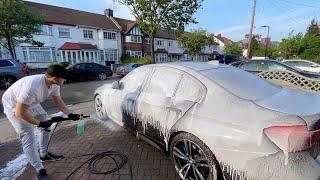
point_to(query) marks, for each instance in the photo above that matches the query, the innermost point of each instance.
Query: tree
(16, 24)
(291, 47)
(254, 47)
(313, 29)
(195, 41)
(152, 15)
(233, 49)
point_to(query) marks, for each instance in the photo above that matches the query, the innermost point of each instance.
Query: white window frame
(109, 35)
(147, 40)
(87, 34)
(160, 42)
(66, 32)
(170, 43)
(45, 30)
(134, 54)
(136, 39)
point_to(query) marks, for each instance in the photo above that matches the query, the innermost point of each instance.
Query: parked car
(217, 120)
(10, 71)
(227, 59)
(125, 69)
(88, 71)
(257, 66)
(304, 65)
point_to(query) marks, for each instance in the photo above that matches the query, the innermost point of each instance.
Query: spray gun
(80, 120)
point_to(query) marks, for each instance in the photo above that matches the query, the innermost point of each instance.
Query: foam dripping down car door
(154, 102)
(124, 99)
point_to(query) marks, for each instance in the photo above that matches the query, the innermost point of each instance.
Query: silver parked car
(217, 121)
(304, 65)
(10, 71)
(127, 68)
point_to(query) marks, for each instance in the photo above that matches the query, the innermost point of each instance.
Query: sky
(230, 18)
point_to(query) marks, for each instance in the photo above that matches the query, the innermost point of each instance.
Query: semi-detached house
(77, 36)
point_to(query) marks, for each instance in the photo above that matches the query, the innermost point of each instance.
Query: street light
(267, 42)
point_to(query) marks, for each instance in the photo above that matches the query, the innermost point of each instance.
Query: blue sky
(231, 18)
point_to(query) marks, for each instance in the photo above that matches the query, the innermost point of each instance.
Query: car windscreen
(241, 83)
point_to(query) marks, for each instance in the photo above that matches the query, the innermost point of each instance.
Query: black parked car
(227, 59)
(257, 66)
(88, 71)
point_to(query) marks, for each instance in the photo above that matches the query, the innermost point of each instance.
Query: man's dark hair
(57, 70)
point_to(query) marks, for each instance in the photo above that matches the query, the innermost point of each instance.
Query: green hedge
(125, 59)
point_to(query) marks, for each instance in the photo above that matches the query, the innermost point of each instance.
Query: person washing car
(22, 107)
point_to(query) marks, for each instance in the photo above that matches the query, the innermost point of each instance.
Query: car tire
(7, 81)
(102, 76)
(193, 159)
(98, 104)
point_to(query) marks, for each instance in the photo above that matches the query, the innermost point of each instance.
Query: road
(71, 93)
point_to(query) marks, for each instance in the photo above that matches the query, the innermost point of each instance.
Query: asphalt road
(71, 93)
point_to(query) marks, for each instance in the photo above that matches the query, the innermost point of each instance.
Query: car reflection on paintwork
(127, 68)
(218, 121)
(304, 65)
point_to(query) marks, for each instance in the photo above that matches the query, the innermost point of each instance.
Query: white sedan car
(217, 121)
(304, 65)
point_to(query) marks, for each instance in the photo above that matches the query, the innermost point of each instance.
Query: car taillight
(292, 138)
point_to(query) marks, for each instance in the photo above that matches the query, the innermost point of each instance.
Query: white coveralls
(30, 90)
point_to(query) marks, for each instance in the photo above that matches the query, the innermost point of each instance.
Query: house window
(38, 54)
(169, 43)
(160, 43)
(87, 34)
(109, 55)
(147, 40)
(161, 57)
(109, 35)
(45, 30)
(135, 54)
(64, 32)
(136, 39)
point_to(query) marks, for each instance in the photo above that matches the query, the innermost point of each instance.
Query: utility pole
(251, 27)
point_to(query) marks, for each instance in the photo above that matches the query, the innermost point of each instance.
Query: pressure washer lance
(92, 162)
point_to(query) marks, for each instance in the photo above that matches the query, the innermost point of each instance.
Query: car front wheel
(193, 159)
(99, 107)
(6, 81)
(102, 76)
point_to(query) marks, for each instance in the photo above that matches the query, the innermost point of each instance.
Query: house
(71, 35)
(166, 46)
(77, 36)
(222, 42)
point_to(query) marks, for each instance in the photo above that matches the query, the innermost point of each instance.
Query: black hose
(96, 157)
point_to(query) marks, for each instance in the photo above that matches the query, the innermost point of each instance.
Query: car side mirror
(117, 85)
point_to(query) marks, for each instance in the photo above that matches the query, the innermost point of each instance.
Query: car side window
(251, 66)
(4, 63)
(195, 90)
(79, 67)
(305, 64)
(163, 82)
(276, 67)
(135, 79)
(263, 66)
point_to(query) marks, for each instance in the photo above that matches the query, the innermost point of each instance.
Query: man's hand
(74, 117)
(46, 124)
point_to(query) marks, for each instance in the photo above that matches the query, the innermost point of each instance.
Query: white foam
(14, 168)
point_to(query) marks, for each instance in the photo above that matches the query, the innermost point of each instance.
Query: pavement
(147, 162)
(71, 93)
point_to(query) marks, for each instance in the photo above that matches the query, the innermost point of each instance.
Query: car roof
(196, 66)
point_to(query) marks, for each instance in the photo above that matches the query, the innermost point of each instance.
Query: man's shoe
(51, 157)
(42, 175)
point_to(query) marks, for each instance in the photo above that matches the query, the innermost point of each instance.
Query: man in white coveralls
(22, 107)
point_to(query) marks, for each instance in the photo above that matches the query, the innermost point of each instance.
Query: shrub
(125, 59)
(65, 64)
(53, 63)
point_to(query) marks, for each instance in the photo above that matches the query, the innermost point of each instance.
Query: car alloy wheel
(99, 107)
(102, 76)
(192, 159)
(6, 82)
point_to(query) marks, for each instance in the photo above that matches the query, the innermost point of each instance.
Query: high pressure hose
(96, 157)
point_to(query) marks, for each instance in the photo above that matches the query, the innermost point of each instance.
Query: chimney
(108, 12)
(219, 35)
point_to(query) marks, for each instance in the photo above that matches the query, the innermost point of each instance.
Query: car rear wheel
(7, 81)
(102, 76)
(193, 159)
(99, 107)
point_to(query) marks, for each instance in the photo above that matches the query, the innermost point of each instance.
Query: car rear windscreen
(241, 83)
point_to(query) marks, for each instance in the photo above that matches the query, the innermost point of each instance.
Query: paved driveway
(147, 162)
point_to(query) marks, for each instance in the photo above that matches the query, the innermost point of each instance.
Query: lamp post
(267, 42)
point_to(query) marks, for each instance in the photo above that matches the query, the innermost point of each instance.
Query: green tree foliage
(16, 24)
(313, 29)
(291, 47)
(152, 15)
(233, 49)
(195, 41)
